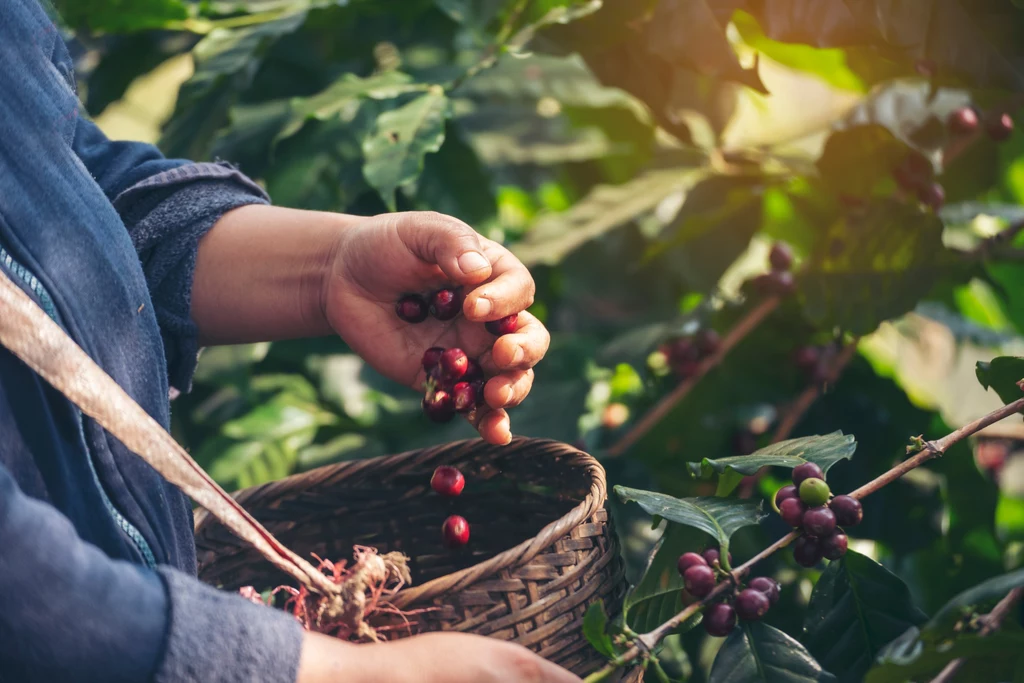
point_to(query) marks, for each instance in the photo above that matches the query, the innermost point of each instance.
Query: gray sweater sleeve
(166, 215)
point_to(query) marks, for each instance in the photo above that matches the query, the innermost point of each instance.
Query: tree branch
(740, 330)
(932, 449)
(992, 620)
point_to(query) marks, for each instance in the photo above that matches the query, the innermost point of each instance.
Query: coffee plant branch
(491, 54)
(791, 418)
(646, 642)
(745, 326)
(990, 622)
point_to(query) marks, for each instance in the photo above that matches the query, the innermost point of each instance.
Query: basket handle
(31, 335)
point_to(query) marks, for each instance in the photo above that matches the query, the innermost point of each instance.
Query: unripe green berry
(658, 363)
(814, 492)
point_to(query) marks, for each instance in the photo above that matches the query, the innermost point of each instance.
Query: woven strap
(29, 333)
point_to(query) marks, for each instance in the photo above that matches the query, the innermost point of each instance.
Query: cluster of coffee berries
(700, 574)
(915, 175)
(445, 304)
(967, 120)
(807, 504)
(780, 281)
(449, 482)
(455, 383)
(683, 355)
(816, 362)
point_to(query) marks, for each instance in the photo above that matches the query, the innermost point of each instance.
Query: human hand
(430, 658)
(377, 260)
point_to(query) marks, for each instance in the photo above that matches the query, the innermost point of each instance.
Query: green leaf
(874, 265)
(659, 593)
(595, 629)
(857, 607)
(757, 653)
(1002, 375)
(564, 12)
(607, 207)
(971, 599)
(123, 16)
(824, 451)
(855, 160)
(474, 13)
(226, 63)
(998, 654)
(719, 517)
(692, 34)
(401, 139)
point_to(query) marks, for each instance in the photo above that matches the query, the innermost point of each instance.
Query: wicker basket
(541, 550)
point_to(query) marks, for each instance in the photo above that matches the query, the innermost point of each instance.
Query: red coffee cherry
(699, 580)
(445, 304)
(769, 587)
(453, 365)
(719, 619)
(448, 481)
(792, 512)
(848, 511)
(807, 551)
(455, 531)
(751, 604)
(412, 308)
(506, 325)
(687, 560)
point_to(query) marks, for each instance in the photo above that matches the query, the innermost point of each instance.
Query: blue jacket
(97, 559)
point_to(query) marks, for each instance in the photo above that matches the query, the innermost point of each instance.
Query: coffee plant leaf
(401, 138)
(857, 607)
(1002, 375)
(972, 600)
(121, 17)
(996, 657)
(659, 593)
(692, 34)
(825, 451)
(855, 160)
(595, 629)
(718, 517)
(476, 14)
(758, 653)
(226, 63)
(874, 265)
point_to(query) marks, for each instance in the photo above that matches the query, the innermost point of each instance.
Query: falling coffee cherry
(412, 308)
(446, 304)
(448, 481)
(719, 619)
(455, 531)
(506, 325)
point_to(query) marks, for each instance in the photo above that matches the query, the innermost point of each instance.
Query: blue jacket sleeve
(70, 613)
(167, 205)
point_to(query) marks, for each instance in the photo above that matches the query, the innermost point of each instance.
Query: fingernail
(472, 261)
(506, 395)
(481, 307)
(517, 357)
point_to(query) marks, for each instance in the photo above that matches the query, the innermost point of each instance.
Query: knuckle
(526, 667)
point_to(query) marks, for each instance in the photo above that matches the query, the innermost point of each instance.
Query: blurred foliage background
(640, 156)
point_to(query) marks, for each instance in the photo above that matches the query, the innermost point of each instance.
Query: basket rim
(458, 580)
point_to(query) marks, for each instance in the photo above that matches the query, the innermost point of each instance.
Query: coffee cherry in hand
(411, 308)
(452, 365)
(455, 531)
(465, 397)
(448, 481)
(431, 357)
(848, 511)
(446, 304)
(751, 604)
(699, 580)
(719, 619)
(440, 407)
(506, 325)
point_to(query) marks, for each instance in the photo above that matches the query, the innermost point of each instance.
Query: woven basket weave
(541, 549)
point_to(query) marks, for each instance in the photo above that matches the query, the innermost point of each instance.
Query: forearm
(259, 275)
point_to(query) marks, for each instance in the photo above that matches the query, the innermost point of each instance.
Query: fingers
(522, 349)
(447, 242)
(495, 427)
(509, 390)
(512, 289)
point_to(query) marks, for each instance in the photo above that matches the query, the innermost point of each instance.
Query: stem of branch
(932, 449)
(992, 620)
(490, 56)
(744, 327)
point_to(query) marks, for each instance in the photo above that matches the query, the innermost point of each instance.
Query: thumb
(447, 242)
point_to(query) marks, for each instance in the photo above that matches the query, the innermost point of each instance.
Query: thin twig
(991, 622)
(740, 330)
(798, 408)
(490, 56)
(932, 449)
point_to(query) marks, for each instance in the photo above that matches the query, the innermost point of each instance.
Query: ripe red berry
(999, 127)
(806, 357)
(464, 395)
(687, 560)
(932, 195)
(455, 531)
(699, 580)
(719, 619)
(682, 350)
(792, 512)
(848, 511)
(788, 491)
(963, 121)
(834, 546)
(473, 371)
(453, 365)
(707, 341)
(478, 390)
(775, 283)
(430, 358)
(751, 604)
(769, 587)
(781, 256)
(807, 470)
(807, 551)
(506, 325)
(447, 481)
(819, 522)
(712, 555)
(440, 407)
(411, 308)
(446, 304)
